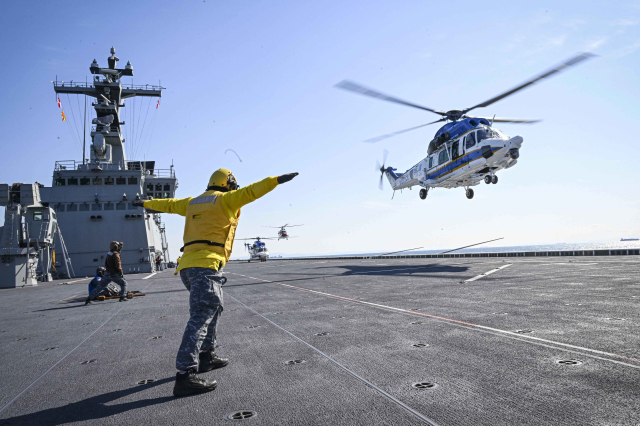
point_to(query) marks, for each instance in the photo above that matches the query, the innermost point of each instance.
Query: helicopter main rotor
(455, 115)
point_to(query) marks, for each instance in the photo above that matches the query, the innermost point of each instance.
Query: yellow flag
(63, 117)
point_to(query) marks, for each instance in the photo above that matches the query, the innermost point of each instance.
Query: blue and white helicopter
(257, 250)
(464, 151)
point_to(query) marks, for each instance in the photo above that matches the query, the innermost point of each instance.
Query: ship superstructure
(92, 198)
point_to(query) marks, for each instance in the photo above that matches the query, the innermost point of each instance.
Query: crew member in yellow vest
(209, 231)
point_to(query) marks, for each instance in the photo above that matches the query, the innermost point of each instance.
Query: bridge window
(132, 207)
(72, 208)
(72, 181)
(59, 182)
(109, 206)
(167, 187)
(133, 181)
(97, 181)
(158, 194)
(83, 207)
(85, 181)
(121, 206)
(37, 215)
(150, 187)
(158, 187)
(108, 181)
(60, 208)
(470, 140)
(96, 207)
(121, 181)
(443, 157)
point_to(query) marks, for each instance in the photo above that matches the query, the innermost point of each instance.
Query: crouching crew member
(210, 227)
(113, 272)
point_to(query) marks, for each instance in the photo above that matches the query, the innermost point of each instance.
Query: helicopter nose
(516, 141)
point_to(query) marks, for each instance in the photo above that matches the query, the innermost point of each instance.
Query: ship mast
(107, 144)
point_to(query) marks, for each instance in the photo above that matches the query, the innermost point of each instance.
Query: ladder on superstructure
(65, 255)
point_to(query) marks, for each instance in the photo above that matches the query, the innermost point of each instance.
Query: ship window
(60, 208)
(109, 206)
(72, 208)
(150, 187)
(443, 157)
(470, 140)
(108, 181)
(72, 181)
(37, 215)
(158, 187)
(167, 187)
(430, 162)
(121, 181)
(133, 181)
(96, 207)
(149, 194)
(97, 181)
(132, 207)
(121, 206)
(158, 194)
(85, 181)
(60, 182)
(84, 207)
(166, 195)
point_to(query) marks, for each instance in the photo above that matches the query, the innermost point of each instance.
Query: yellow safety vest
(207, 225)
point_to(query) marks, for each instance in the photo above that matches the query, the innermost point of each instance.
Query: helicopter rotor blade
(508, 120)
(573, 61)
(389, 135)
(385, 154)
(355, 87)
(380, 185)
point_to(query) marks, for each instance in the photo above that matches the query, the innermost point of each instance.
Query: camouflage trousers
(108, 278)
(205, 306)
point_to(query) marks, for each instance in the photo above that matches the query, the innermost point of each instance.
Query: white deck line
(477, 277)
(149, 276)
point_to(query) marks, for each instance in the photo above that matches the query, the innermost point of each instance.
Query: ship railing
(72, 83)
(67, 165)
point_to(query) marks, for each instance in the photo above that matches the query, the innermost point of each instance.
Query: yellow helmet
(222, 179)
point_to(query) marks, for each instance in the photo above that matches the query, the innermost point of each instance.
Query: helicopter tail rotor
(381, 168)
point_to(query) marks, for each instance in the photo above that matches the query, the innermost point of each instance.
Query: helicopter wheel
(423, 194)
(494, 180)
(487, 179)
(469, 193)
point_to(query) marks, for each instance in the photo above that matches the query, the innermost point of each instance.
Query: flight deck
(440, 341)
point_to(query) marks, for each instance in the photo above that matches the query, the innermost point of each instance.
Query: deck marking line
(62, 300)
(149, 276)
(62, 359)
(477, 277)
(351, 373)
(521, 337)
(70, 282)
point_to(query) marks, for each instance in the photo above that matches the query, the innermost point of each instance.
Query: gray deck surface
(486, 370)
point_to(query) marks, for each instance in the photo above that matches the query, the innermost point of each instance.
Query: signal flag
(59, 104)
(63, 117)
(158, 104)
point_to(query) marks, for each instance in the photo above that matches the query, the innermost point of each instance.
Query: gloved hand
(287, 177)
(138, 203)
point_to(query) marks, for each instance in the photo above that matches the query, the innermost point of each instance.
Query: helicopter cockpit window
(483, 134)
(470, 140)
(443, 157)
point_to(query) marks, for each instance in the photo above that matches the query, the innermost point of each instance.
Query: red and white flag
(158, 104)
(59, 104)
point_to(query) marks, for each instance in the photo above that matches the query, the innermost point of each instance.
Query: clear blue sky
(257, 77)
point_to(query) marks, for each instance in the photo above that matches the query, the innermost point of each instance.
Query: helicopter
(282, 233)
(257, 250)
(466, 150)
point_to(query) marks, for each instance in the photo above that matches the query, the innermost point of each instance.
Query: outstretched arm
(169, 205)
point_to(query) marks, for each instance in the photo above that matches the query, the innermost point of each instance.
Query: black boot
(190, 384)
(210, 361)
(123, 299)
(88, 302)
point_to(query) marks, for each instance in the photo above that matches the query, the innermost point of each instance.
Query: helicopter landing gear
(487, 179)
(423, 193)
(494, 180)
(469, 193)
